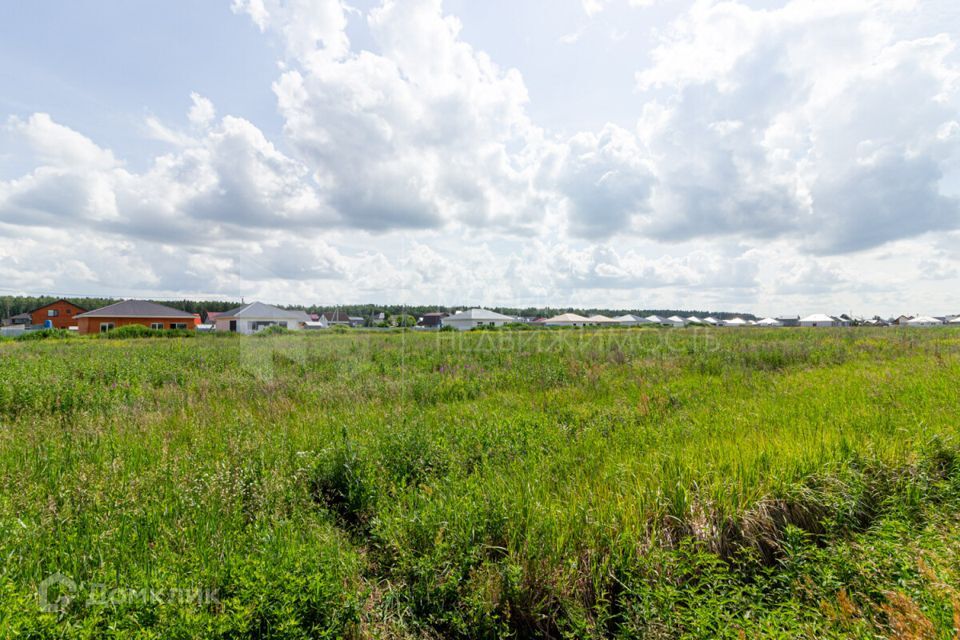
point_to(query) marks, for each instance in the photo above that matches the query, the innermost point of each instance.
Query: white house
(629, 320)
(694, 320)
(955, 321)
(256, 316)
(924, 321)
(769, 322)
(819, 320)
(601, 320)
(675, 321)
(711, 321)
(734, 322)
(473, 318)
(567, 320)
(656, 320)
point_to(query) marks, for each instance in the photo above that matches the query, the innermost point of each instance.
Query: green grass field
(611, 483)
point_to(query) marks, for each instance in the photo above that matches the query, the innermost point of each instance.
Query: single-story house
(601, 319)
(819, 320)
(630, 320)
(337, 317)
(711, 321)
(902, 320)
(60, 314)
(21, 319)
(655, 319)
(734, 322)
(788, 321)
(473, 318)
(924, 321)
(955, 320)
(257, 316)
(769, 322)
(567, 320)
(432, 320)
(694, 320)
(130, 312)
(676, 321)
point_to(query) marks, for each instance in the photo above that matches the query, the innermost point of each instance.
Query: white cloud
(792, 122)
(201, 112)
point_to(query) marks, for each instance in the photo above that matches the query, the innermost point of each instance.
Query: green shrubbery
(131, 331)
(274, 330)
(45, 334)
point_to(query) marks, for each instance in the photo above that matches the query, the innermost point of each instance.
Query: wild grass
(616, 483)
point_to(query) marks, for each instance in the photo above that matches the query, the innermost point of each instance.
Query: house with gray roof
(257, 316)
(475, 318)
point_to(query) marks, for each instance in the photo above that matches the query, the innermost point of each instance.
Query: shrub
(139, 331)
(44, 334)
(275, 330)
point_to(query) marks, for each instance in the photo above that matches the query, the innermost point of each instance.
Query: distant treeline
(14, 305)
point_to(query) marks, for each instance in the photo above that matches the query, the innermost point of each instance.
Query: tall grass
(698, 483)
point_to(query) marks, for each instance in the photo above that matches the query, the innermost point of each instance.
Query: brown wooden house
(61, 314)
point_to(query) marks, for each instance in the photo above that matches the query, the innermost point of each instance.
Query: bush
(44, 334)
(139, 331)
(275, 330)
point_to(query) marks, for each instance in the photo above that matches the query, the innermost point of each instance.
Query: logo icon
(56, 592)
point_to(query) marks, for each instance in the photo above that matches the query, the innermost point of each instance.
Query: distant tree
(404, 320)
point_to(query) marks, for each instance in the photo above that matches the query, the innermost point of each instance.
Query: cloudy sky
(770, 156)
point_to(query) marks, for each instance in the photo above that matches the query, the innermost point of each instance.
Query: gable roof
(261, 311)
(135, 309)
(336, 316)
(818, 317)
(566, 317)
(50, 304)
(480, 315)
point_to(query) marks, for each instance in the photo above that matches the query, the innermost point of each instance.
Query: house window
(52, 313)
(106, 326)
(178, 325)
(156, 325)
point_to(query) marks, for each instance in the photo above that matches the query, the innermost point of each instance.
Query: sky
(766, 156)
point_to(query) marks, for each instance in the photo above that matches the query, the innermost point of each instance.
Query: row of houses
(478, 318)
(246, 319)
(256, 316)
